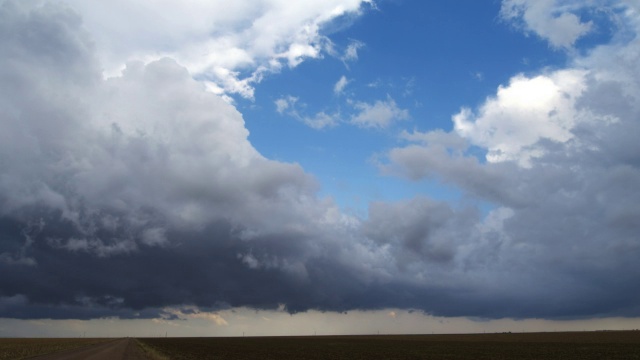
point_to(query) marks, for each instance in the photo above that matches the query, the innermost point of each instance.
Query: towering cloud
(99, 174)
(125, 195)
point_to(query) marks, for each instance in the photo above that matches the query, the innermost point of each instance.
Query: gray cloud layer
(120, 197)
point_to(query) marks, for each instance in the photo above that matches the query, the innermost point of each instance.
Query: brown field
(562, 345)
(14, 349)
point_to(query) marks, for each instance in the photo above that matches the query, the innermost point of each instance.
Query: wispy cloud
(286, 103)
(557, 22)
(338, 88)
(289, 105)
(381, 114)
(351, 52)
(322, 120)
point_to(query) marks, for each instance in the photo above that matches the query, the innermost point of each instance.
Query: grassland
(612, 345)
(14, 349)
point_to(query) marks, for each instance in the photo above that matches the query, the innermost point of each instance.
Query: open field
(564, 345)
(623, 345)
(13, 349)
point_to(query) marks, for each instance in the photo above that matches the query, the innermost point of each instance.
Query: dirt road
(121, 349)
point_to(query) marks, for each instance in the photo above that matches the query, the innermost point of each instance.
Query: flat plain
(23, 348)
(622, 345)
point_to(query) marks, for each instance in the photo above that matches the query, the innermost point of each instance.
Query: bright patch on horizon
(176, 163)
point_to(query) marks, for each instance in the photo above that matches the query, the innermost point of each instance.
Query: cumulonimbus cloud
(139, 193)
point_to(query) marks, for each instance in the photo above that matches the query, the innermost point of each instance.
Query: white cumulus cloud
(381, 114)
(524, 112)
(231, 45)
(554, 20)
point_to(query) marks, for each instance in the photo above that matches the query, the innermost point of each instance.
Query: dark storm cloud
(115, 189)
(421, 229)
(567, 210)
(125, 196)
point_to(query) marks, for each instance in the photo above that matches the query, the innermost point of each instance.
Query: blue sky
(411, 166)
(430, 58)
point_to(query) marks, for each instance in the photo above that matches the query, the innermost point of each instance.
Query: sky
(269, 167)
